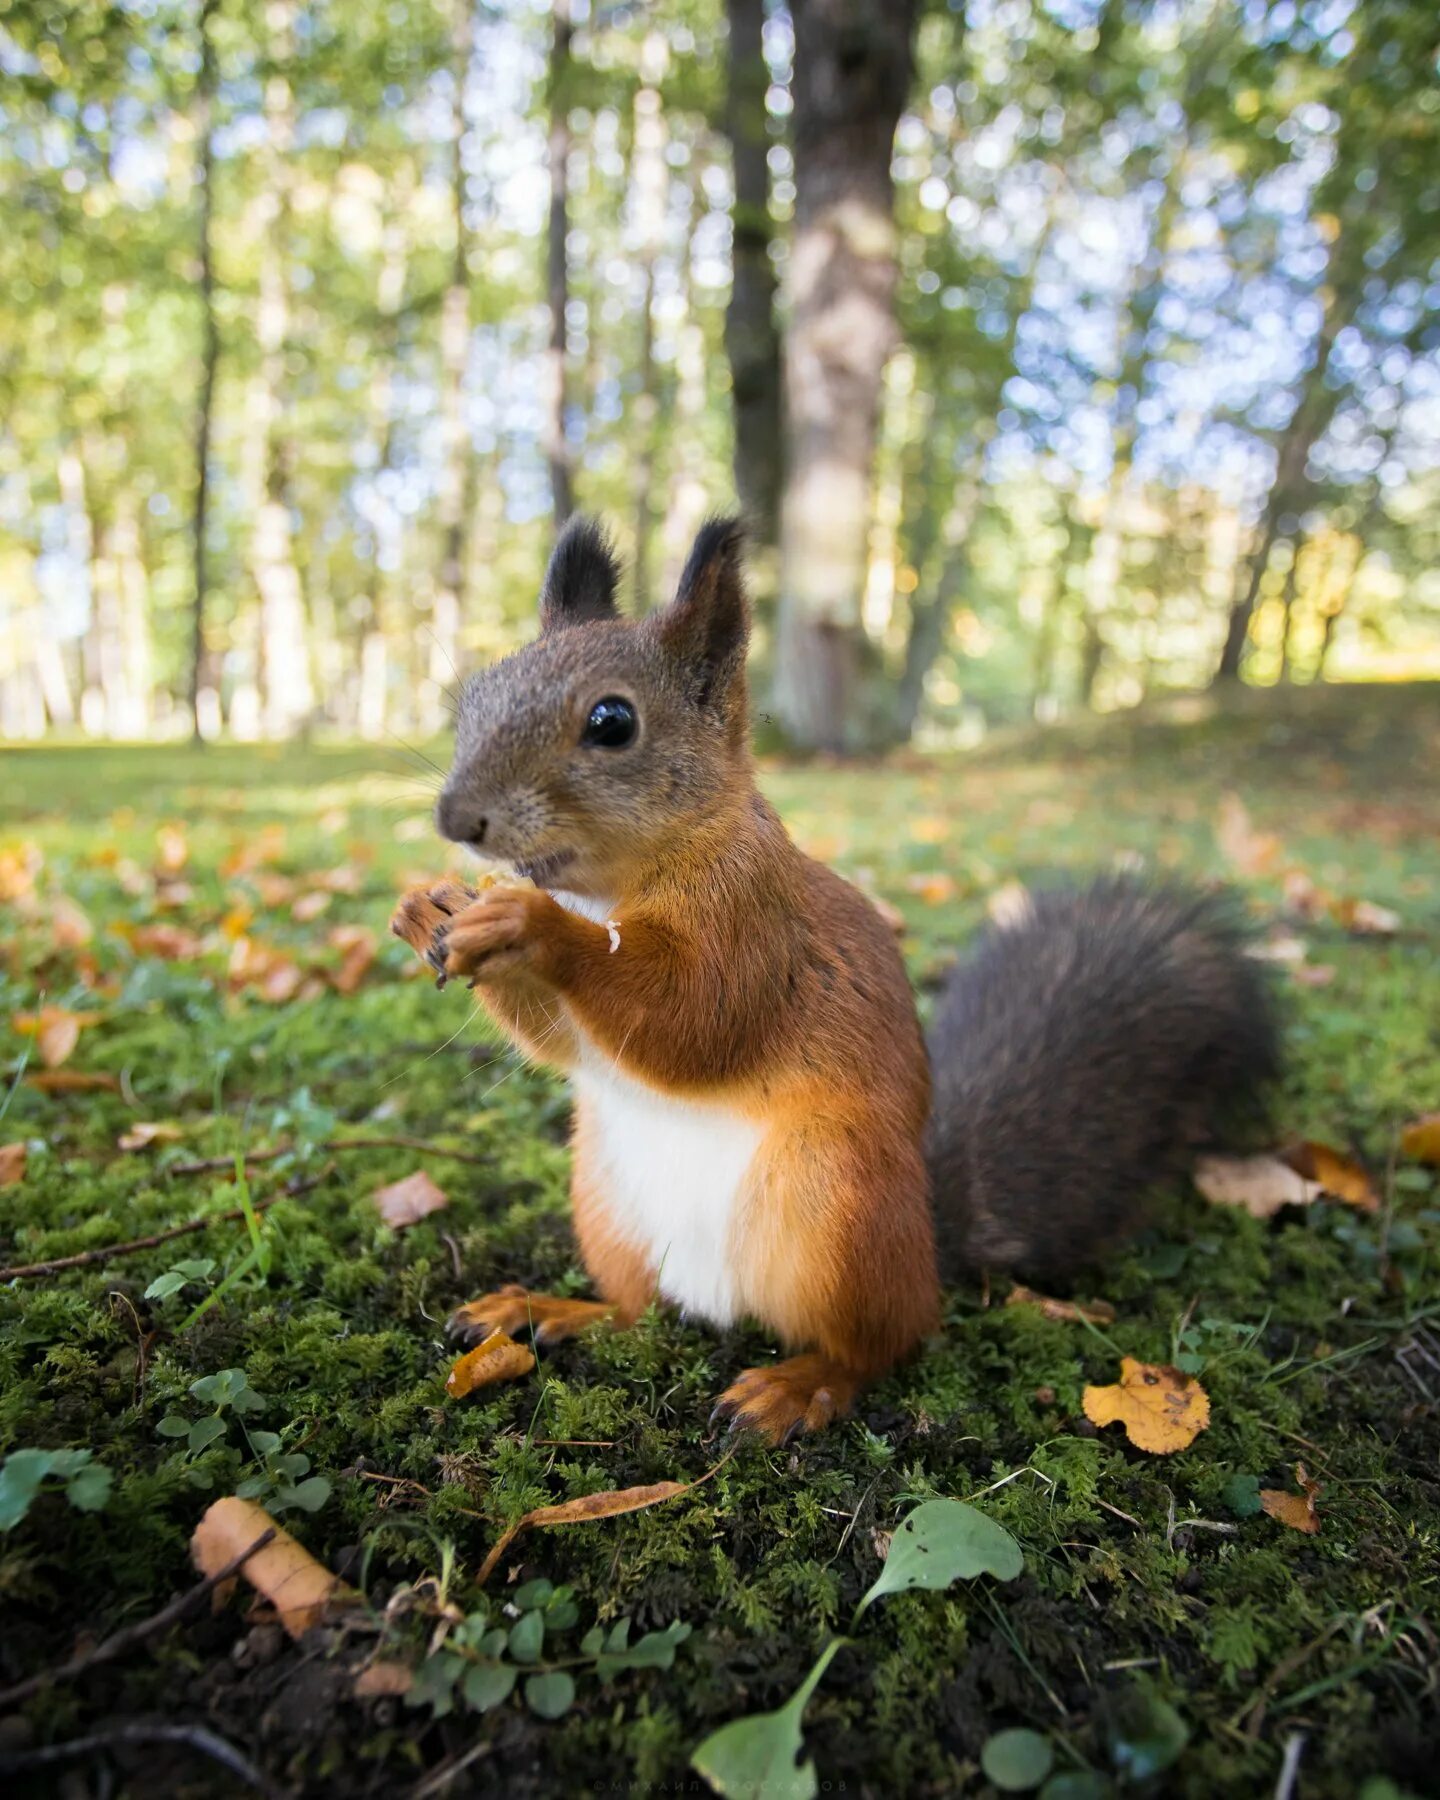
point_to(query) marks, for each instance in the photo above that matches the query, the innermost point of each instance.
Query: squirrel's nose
(460, 819)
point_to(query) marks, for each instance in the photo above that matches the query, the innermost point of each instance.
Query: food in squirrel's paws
(423, 916)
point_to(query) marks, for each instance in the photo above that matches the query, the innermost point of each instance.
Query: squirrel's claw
(779, 1403)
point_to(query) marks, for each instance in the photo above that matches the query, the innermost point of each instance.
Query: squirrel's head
(588, 753)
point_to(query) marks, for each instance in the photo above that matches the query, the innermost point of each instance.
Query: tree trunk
(649, 187)
(209, 364)
(284, 652)
(557, 446)
(457, 472)
(752, 341)
(852, 74)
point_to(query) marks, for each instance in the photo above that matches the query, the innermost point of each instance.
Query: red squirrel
(753, 1127)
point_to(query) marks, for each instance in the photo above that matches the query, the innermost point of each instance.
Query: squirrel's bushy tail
(1081, 1053)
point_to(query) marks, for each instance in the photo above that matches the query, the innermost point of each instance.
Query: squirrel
(754, 1132)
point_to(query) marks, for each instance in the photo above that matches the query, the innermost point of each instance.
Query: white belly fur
(673, 1174)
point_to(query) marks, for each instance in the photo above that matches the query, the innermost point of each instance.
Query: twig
(1290, 1767)
(440, 1778)
(122, 1640)
(20, 1271)
(197, 1737)
(209, 1165)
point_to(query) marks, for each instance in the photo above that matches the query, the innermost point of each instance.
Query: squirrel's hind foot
(514, 1309)
(778, 1403)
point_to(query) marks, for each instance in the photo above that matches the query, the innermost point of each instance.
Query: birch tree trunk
(201, 692)
(649, 185)
(557, 276)
(287, 694)
(752, 341)
(852, 74)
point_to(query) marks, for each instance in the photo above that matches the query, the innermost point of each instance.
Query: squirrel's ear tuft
(581, 578)
(707, 624)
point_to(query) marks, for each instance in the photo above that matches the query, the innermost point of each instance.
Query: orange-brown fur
(746, 972)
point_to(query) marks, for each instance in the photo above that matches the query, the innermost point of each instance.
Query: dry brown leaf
(499, 1358)
(1313, 975)
(1249, 851)
(1260, 1184)
(12, 1164)
(383, 1680)
(171, 943)
(359, 948)
(299, 1588)
(70, 925)
(1070, 1312)
(406, 1202)
(1295, 1510)
(1338, 1175)
(1161, 1409)
(344, 879)
(1367, 919)
(310, 905)
(73, 1081)
(1420, 1140)
(149, 1131)
(56, 1031)
(274, 890)
(607, 1505)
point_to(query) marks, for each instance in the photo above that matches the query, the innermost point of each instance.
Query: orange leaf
(1420, 1140)
(55, 1030)
(69, 924)
(1161, 1409)
(73, 1081)
(1295, 1510)
(1251, 852)
(1098, 1312)
(406, 1202)
(310, 905)
(934, 889)
(499, 1358)
(171, 943)
(300, 1589)
(1339, 1175)
(19, 865)
(359, 946)
(12, 1164)
(143, 1132)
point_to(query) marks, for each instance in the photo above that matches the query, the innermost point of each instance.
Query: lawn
(192, 910)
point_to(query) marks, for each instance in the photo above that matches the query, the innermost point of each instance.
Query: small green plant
(180, 1275)
(482, 1661)
(84, 1482)
(282, 1480)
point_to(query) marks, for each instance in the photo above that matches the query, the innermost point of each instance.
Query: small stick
(209, 1165)
(19, 1271)
(197, 1737)
(133, 1634)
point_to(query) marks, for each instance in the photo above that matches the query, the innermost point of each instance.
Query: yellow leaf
(56, 1031)
(1421, 1140)
(149, 1131)
(1161, 1409)
(406, 1202)
(1339, 1175)
(1295, 1510)
(300, 1589)
(499, 1358)
(12, 1164)
(930, 830)
(608, 1505)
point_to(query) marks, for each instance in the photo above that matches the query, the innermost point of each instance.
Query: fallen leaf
(1295, 1510)
(929, 830)
(172, 849)
(607, 1505)
(274, 890)
(149, 1131)
(406, 1202)
(1367, 919)
(170, 943)
(383, 1680)
(1249, 851)
(359, 948)
(1313, 975)
(12, 1164)
(266, 846)
(19, 865)
(1161, 1409)
(934, 889)
(73, 1081)
(345, 879)
(299, 1588)
(1098, 1312)
(1259, 1184)
(310, 905)
(1279, 947)
(499, 1358)
(70, 925)
(1420, 1140)
(56, 1031)
(1339, 1175)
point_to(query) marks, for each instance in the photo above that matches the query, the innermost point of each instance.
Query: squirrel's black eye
(612, 724)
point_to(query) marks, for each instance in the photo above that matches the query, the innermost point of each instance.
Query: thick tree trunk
(284, 651)
(557, 447)
(852, 74)
(457, 471)
(203, 716)
(752, 340)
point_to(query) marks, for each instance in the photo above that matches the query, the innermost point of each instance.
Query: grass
(1131, 1595)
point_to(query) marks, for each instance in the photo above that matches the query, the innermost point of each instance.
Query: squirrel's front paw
(504, 929)
(425, 913)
